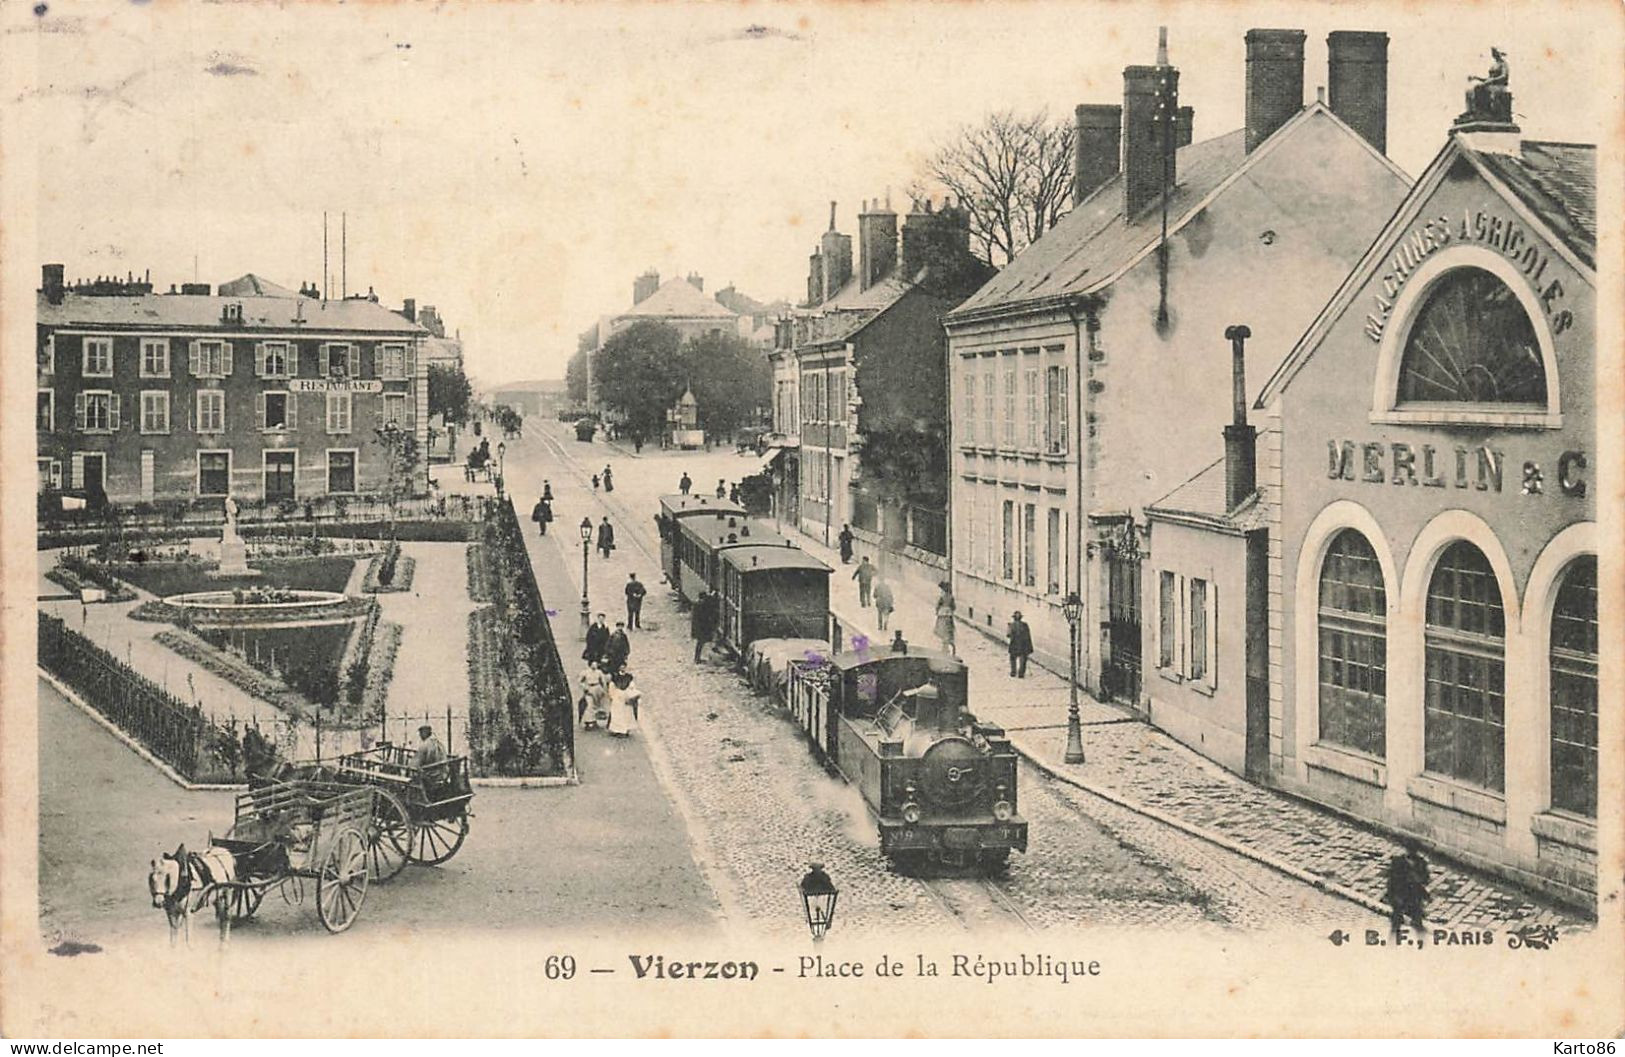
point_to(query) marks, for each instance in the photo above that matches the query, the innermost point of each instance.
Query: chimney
(1097, 147)
(1150, 98)
(51, 283)
(1184, 126)
(815, 278)
(1274, 81)
(409, 309)
(835, 253)
(696, 281)
(195, 289)
(644, 285)
(1240, 439)
(1357, 74)
(877, 243)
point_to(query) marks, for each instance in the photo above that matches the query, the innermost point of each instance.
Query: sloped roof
(681, 299)
(1095, 240)
(1202, 496)
(852, 309)
(251, 285)
(1558, 182)
(197, 312)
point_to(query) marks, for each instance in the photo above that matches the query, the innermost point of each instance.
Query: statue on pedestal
(233, 551)
(230, 533)
(1489, 98)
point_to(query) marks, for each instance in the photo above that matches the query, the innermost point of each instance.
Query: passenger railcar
(685, 556)
(941, 785)
(770, 591)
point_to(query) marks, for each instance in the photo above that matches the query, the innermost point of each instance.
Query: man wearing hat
(430, 751)
(1021, 645)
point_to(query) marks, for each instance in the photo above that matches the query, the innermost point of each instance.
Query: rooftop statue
(1489, 99)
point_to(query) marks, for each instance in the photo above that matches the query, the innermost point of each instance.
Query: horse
(182, 881)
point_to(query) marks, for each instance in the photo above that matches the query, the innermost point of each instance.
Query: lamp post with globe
(1073, 608)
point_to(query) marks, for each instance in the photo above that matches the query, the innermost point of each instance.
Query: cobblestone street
(762, 806)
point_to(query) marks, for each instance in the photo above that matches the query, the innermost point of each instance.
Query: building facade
(1083, 372)
(145, 397)
(1434, 563)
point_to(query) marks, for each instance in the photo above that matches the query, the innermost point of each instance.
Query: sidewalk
(1139, 767)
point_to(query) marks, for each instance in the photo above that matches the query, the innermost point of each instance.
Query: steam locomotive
(940, 784)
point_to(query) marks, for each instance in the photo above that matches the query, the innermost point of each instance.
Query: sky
(518, 164)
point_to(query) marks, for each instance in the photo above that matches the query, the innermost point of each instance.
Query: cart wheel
(341, 885)
(436, 840)
(243, 901)
(388, 837)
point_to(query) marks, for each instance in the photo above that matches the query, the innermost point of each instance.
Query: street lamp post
(502, 464)
(818, 895)
(586, 549)
(1073, 608)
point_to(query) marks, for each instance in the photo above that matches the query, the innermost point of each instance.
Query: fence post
(448, 728)
(318, 737)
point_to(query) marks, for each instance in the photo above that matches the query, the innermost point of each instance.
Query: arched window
(1353, 646)
(1471, 342)
(1574, 691)
(1464, 725)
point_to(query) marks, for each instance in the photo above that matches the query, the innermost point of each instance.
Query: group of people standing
(685, 485)
(608, 691)
(874, 589)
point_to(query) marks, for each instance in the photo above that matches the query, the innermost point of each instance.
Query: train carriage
(689, 526)
(770, 591)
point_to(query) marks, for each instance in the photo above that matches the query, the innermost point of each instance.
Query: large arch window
(1353, 646)
(1472, 342)
(1574, 690)
(1464, 721)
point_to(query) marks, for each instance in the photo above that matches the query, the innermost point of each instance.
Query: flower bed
(386, 644)
(75, 574)
(480, 574)
(237, 672)
(324, 573)
(389, 571)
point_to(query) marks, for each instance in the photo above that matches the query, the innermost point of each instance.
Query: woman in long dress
(623, 704)
(945, 617)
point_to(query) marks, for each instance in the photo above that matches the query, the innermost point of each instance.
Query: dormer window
(232, 312)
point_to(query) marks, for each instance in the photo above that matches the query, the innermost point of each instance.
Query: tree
(400, 467)
(449, 392)
(1012, 173)
(639, 375)
(731, 380)
(575, 376)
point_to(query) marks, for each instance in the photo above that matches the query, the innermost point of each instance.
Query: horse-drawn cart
(287, 832)
(421, 814)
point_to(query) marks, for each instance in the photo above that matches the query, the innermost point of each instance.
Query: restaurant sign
(334, 385)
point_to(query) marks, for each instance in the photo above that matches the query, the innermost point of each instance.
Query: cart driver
(430, 751)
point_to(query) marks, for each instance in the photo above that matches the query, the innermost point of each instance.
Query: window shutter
(79, 411)
(76, 471)
(411, 410)
(259, 359)
(225, 358)
(293, 405)
(112, 412)
(355, 361)
(192, 358)
(411, 358)
(259, 412)
(1212, 633)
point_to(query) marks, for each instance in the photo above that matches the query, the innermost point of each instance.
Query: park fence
(179, 734)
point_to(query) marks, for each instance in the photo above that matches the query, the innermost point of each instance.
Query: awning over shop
(765, 461)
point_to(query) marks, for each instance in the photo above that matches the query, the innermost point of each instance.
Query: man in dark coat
(1021, 645)
(865, 576)
(702, 621)
(634, 601)
(685, 483)
(617, 649)
(1407, 893)
(722, 488)
(846, 544)
(542, 513)
(606, 537)
(597, 639)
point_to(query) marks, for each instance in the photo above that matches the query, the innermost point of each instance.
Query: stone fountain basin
(226, 601)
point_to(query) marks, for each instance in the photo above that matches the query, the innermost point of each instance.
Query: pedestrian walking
(846, 539)
(609, 481)
(1408, 878)
(606, 537)
(722, 488)
(685, 483)
(634, 601)
(547, 491)
(702, 621)
(597, 639)
(945, 616)
(884, 602)
(898, 643)
(623, 704)
(591, 701)
(617, 649)
(865, 576)
(1020, 638)
(595, 482)
(733, 493)
(542, 513)
(430, 751)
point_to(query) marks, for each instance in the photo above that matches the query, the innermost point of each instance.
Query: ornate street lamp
(502, 464)
(1073, 608)
(586, 548)
(818, 895)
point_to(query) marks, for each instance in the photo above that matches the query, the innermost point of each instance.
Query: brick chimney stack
(409, 309)
(1240, 439)
(835, 258)
(1274, 81)
(877, 243)
(1097, 147)
(644, 285)
(52, 283)
(1150, 100)
(1184, 126)
(1357, 75)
